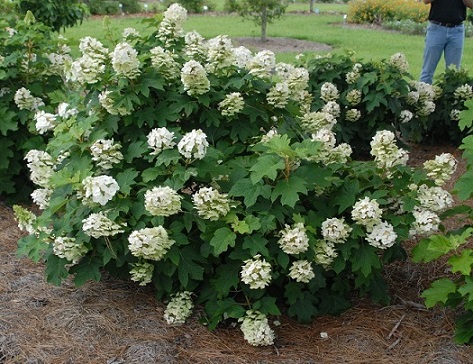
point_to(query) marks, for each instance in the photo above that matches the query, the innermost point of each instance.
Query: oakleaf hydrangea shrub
(31, 58)
(193, 166)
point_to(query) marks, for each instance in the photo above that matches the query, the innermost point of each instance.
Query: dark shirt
(447, 11)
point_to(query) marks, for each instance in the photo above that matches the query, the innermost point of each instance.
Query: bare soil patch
(118, 322)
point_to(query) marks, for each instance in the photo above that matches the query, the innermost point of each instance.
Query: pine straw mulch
(117, 322)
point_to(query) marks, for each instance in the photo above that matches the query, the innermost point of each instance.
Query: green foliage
(101, 7)
(379, 11)
(57, 14)
(258, 193)
(193, 6)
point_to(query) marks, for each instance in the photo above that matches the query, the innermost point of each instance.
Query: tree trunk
(264, 23)
(312, 6)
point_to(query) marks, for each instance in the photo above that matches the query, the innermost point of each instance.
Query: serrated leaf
(227, 277)
(289, 190)
(188, 267)
(438, 292)
(222, 239)
(32, 247)
(267, 305)
(88, 269)
(463, 186)
(126, 179)
(255, 244)
(347, 195)
(432, 248)
(266, 166)
(462, 263)
(8, 122)
(365, 260)
(304, 308)
(466, 116)
(249, 191)
(56, 271)
(466, 290)
(135, 150)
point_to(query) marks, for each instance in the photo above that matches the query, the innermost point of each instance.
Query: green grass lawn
(368, 43)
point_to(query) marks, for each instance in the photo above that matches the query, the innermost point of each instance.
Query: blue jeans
(438, 40)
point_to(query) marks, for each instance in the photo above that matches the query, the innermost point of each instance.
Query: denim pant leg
(435, 41)
(454, 47)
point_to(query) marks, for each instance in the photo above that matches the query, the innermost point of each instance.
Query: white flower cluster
(41, 167)
(160, 139)
(385, 151)
(329, 153)
(382, 235)
(100, 189)
(367, 212)
(406, 116)
(426, 222)
(399, 61)
(463, 92)
(130, 33)
(193, 145)
(353, 76)
(219, 54)
(58, 61)
(314, 121)
(107, 102)
(194, 78)
(232, 104)
(242, 56)
(325, 253)
(422, 97)
(269, 135)
(294, 240)
(435, 198)
(195, 46)
(329, 92)
(354, 97)
(162, 201)
(336, 230)
(26, 101)
(301, 271)
(332, 108)
(353, 115)
(25, 218)
(455, 114)
(105, 153)
(44, 121)
(65, 111)
(142, 272)
(171, 27)
(262, 64)
(256, 272)
(98, 225)
(125, 61)
(68, 248)
(165, 63)
(441, 168)
(91, 65)
(179, 308)
(256, 329)
(211, 204)
(278, 95)
(41, 197)
(150, 243)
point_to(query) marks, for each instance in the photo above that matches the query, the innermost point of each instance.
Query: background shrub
(379, 11)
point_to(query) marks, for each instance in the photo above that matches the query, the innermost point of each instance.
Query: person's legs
(435, 41)
(454, 47)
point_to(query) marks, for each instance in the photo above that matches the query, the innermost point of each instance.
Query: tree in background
(262, 12)
(57, 14)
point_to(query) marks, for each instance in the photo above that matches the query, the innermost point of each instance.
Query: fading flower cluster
(220, 54)
(179, 308)
(463, 92)
(256, 329)
(382, 235)
(160, 139)
(162, 201)
(211, 204)
(88, 68)
(44, 121)
(278, 95)
(399, 61)
(142, 272)
(294, 240)
(301, 271)
(105, 153)
(315, 121)
(353, 76)
(195, 47)
(441, 168)
(150, 243)
(385, 151)
(100, 189)
(262, 64)
(25, 219)
(336, 230)
(193, 145)
(68, 248)
(332, 108)
(435, 198)
(26, 101)
(256, 272)
(165, 63)
(194, 78)
(232, 104)
(325, 253)
(354, 97)
(367, 212)
(125, 61)
(41, 167)
(353, 115)
(98, 225)
(329, 92)
(41, 197)
(107, 102)
(171, 27)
